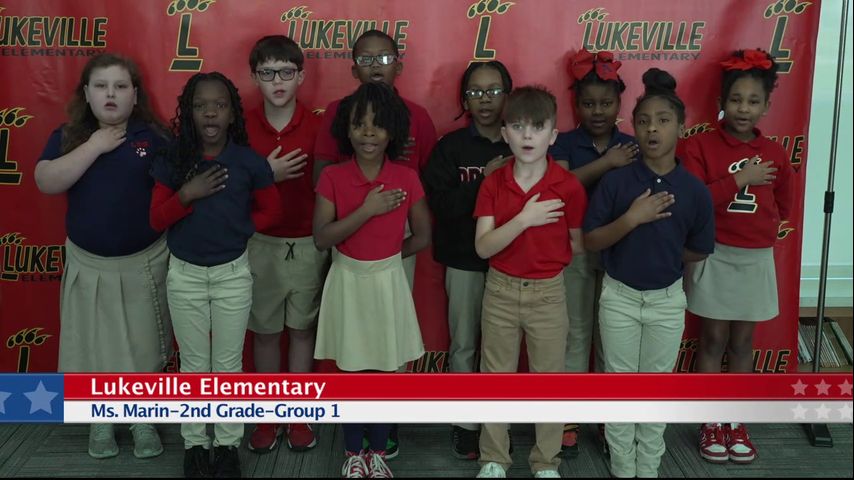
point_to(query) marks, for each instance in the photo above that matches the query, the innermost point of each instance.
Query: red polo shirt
(421, 131)
(538, 252)
(380, 237)
(747, 217)
(297, 195)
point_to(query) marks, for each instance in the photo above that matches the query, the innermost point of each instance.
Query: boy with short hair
(287, 268)
(529, 216)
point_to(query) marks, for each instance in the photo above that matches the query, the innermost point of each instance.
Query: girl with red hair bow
(595, 147)
(750, 179)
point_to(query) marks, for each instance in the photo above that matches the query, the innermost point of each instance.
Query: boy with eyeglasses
(458, 165)
(288, 270)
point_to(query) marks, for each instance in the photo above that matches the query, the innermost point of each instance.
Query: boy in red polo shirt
(288, 270)
(529, 216)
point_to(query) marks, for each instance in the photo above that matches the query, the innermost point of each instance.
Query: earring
(720, 115)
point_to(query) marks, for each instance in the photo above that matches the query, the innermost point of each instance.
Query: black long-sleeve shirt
(451, 180)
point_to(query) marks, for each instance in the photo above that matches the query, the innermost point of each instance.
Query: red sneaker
(355, 465)
(738, 444)
(301, 437)
(265, 437)
(713, 443)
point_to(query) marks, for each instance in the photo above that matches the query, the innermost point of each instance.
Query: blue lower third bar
(31, 398)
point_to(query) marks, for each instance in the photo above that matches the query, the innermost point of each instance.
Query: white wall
(839, 286)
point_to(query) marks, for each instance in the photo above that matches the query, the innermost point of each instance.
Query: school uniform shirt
(214, 230)
(650, 256)
(451, 179)
(576, 147)
(748, 217)
(538, 252)
(381, 237)
(108, 206)
(421, 131)
(297, 194)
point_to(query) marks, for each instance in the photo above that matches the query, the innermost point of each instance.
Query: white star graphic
(845, 411)
(823, 412)
(845, 387)
(800, 387)
(3, 397)
(823, 388)
(40, 399)
(800, 412)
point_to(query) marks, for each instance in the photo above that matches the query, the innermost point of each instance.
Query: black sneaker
(226, 462)
(465, 443)
(197, 462)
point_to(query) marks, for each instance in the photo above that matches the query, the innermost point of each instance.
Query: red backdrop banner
(45, 43)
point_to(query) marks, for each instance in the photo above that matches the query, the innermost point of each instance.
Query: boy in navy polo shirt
(287, 269)
(529, 215)
(648, 219)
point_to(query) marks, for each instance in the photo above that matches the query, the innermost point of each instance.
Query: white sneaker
(102, 441)
(547, 474)
(491, 470)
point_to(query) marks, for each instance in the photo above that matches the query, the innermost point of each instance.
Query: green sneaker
(102, 441)
(392, 446)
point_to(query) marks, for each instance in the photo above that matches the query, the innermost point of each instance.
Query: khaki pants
(536, 308)
(582, 298)
(465, 304)
(641, 332)
(210, 310)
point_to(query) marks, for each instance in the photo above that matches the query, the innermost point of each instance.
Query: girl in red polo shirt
(749, 177)
(367, 317)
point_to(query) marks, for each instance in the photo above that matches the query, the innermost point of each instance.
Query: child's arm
(615, 157)
(169, 206)
(576, 241)
(57, 176)
(329, 232)
(644, 209)
(419, 223)
(701, 234)
(490, 240)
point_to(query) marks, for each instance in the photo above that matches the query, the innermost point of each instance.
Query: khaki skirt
(114, 316)
(367, 317)
(733, 284)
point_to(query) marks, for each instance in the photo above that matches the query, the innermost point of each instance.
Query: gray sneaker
(102, 441)
(146, 441)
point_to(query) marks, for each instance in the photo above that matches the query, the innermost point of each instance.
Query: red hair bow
(584, 62)
(752, 59)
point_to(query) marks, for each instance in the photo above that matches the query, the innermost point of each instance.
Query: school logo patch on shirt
(141, 147)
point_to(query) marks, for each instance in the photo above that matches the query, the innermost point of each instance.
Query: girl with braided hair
(205, 189)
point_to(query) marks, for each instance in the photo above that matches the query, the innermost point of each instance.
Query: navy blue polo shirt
(108, 207)
(576, 147)
(650, 256)
(217, 229)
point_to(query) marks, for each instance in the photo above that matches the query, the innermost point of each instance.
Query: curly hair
(660, 84)
(593, 78)
(186, 151)
(768, 77)
(506, 80)
(82, 122)
(390, 114)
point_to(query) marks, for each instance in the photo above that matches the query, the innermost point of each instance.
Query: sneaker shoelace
(354, 467)
(379, 469)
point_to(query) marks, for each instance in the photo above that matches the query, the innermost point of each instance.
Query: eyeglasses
(269, 74)
(368, 60)
(476, 93)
